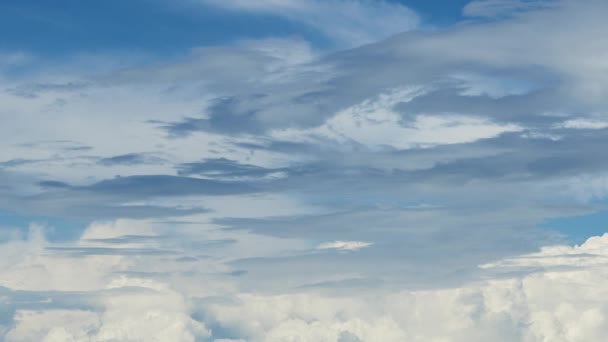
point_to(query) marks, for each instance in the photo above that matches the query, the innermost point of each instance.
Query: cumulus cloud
(557, 302)
(52, 326)
(551, 294)
(138, 314)
(120, 307)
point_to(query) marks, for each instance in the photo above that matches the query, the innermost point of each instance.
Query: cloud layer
(391, 185)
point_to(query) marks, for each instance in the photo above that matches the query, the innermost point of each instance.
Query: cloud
(344, 245)
(583, 124)
(232, 182)
(52, 326)
(549, 294)
(122, 302)
(374, 123)
(143, 315)
(550, 304)
(225, 168)
(392, 128)
(346, 23)
(130, 159)
(124, 307)
(498, 8)
(157, 315)
(161, 185)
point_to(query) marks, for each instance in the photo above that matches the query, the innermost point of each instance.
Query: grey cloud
(528, 159)
(254, 98)
(357, 75)
(59, 145)
(66, 203)
(16, 162)
(529, 109)
(430, 212)
(226, 115)
(106, 199)
(54, 184)
(176, 240)
(502, 8)
(131, 159)
(164, 185)
(35, 89)
(346, 336)
(253, 113)
(411, 247)
(100, 211)
(371, 223)
(286, 147)
(354, 283)
(84, 251)
(346, 182)
(187, 259)
(224, 168)
(40, 300)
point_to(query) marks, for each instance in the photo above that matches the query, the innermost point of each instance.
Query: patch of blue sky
(437, 12)
(158, 27)
(577, 229)
(13, 224)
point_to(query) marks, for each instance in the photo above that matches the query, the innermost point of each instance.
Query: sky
(303, 170)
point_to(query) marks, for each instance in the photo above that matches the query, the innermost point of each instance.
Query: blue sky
(152, 26)
(303, 170)
(158, 27)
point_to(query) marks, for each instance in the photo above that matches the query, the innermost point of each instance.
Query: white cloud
(555, 304)
(586, 188)
(583, 124)
(27, 265)
(53, 326)
(344, 245)
(285, 52)
(134, 314)
(539, 135)
(153, 312)
(128, 308)
(592, 253)
(560, 301)
(494, 87)
(375, 124)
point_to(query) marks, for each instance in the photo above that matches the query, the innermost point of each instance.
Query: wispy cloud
(498, 8)
(345, 22)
